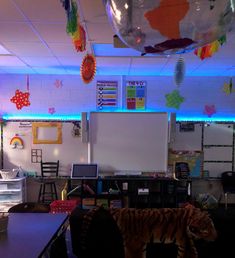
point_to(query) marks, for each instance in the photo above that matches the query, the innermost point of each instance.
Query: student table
(30, 235)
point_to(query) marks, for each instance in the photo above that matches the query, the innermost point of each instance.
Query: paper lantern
(169, 26)
(179, 71)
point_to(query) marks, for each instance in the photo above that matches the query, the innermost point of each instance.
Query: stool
(47, 192)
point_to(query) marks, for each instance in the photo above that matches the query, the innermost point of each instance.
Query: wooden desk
(30, 234)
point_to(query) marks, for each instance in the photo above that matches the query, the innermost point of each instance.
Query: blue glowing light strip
(179, 118)
(43, 117)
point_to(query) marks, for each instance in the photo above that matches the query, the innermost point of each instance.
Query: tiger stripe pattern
(165, 225)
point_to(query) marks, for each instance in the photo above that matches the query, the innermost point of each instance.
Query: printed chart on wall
(106, 97)
(135, 95)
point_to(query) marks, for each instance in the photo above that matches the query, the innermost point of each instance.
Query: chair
(228, 184)
(30, 207)
(47, 191)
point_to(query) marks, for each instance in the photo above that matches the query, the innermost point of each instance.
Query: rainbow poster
(135, 95)
(17, 142)
(106, 97)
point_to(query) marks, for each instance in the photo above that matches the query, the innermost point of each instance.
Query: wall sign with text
(135, 95)
(106, 96)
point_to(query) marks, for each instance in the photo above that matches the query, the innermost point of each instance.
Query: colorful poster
(107, 92)
(135, 95)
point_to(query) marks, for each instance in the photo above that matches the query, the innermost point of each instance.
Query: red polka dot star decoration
(21, 99)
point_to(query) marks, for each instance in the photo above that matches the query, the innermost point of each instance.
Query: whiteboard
(129, 142)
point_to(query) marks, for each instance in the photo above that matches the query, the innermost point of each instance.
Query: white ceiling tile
(71, 61)
(149, 62)
(35, 31)
(16, 32)
(53, 32)
(60, 49)
(96, 14)
(67, 50)
(100, 33)
(113, 62)
(49, 10)
(8, 12)
(29, 49)
(41, 61)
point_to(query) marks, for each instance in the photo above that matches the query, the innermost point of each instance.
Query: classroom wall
(73, 96)
(72, 149)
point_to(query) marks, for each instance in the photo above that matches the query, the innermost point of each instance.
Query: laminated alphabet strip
(107, 92)
(135, 95)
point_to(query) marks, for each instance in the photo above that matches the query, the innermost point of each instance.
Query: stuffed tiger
(166, 225)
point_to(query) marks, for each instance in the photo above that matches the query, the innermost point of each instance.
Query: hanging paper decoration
(88, 68)
(210, 49)
(209, 110)
(179, 71)
(79, 39)
(174, 99)
(17, 142)
(228, 87)
(58, 83)
(66, 4)
(222, 40)
(21, 99)
(72, 18)
(74, 28)
(51, 110)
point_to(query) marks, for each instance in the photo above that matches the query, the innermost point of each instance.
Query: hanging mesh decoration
(179, 71)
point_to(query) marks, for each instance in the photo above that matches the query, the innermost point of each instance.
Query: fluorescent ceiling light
(3, 51)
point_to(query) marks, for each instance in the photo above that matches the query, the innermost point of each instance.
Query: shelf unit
(135, 192)
(12, 191)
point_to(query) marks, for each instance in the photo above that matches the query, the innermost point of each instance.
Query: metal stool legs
(47, 192)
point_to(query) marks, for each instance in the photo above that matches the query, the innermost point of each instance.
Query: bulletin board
(194, 159)
(129, 141)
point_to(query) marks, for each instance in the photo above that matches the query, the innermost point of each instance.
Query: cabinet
(12, 191)
(135, 192)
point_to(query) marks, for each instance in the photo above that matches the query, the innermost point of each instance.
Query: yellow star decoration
(228, 87)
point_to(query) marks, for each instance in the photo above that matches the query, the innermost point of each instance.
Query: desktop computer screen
(84, 171)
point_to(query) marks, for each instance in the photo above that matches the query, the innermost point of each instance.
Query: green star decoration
(174, 99)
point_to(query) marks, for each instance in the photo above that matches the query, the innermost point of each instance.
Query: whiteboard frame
(108, 121)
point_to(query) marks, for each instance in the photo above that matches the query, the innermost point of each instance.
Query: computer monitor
(84, 171)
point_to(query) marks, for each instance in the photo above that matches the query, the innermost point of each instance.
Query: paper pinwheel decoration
(88, 68)
(174, 99)
(58, 83)
(228, 87)
(209, 110)
(51, 110)
(209, 49)
(21, 99)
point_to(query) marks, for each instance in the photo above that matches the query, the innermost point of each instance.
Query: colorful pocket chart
(135, 95)
(106, 97)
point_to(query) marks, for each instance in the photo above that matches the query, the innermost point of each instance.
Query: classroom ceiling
(34, 34)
